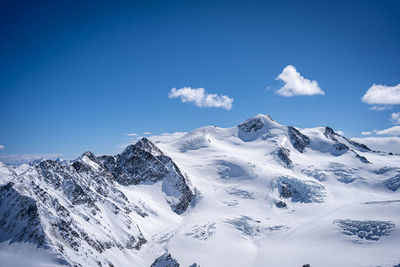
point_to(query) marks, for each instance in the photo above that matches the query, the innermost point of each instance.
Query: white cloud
(386, 144)
(295, 84)
(366, 133)
(147, 133)
(131, 134)
(2, 147)
(380, 107)
(395, 130)
(395, 117)
(201, 98)
(340, 132)
(379, 94)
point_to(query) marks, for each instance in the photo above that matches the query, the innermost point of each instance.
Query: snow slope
(257, 194)
(260, 206)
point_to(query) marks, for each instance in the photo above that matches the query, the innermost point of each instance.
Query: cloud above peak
(379, 94)
(201, 98)
(295, 84)
(2, 147)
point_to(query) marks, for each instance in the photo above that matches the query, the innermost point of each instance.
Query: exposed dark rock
(330, 134)
(298, 140)
(250, 125)
(132, 243)
(280, 204)
(285, 191)
(145, 163)
(146, 145)
(90, 155)
(260, 126)
(361, 158)
(340, 146)
(165, 260)
(19, 217)
(134, 166)
(283, 155)
(359, 146)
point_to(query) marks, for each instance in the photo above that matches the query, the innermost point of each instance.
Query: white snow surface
(238, 181)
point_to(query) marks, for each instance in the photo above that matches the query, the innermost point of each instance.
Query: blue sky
(80, 76)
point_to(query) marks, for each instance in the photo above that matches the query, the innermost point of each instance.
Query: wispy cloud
(147, 133)
(295, 84)
(395, 130)
(379, 94)
(24, 158)
(131, 134)
(366, 133)
(380, 107)
(395, 117)
(2, 147)
(201, 98)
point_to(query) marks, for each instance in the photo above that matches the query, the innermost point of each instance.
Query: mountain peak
(256, 126)
(265, 115)
(89, 154)
(148, 146)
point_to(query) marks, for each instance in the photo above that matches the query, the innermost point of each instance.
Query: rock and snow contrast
(257, 194)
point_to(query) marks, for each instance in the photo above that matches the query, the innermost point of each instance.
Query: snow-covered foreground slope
(259, 194)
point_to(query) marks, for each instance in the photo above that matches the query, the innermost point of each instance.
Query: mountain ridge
(249, 189)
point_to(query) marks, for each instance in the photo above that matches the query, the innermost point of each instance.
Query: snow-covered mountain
(257, 194)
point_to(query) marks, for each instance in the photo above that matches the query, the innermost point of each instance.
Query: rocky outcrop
(299, 141)
(340, 146)
(361, 158)
(252, 125)
(19, 217)
(165, 260)
(258, 126)
(330, 134)
(145, 163)
(357, 145)
(283, 156)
